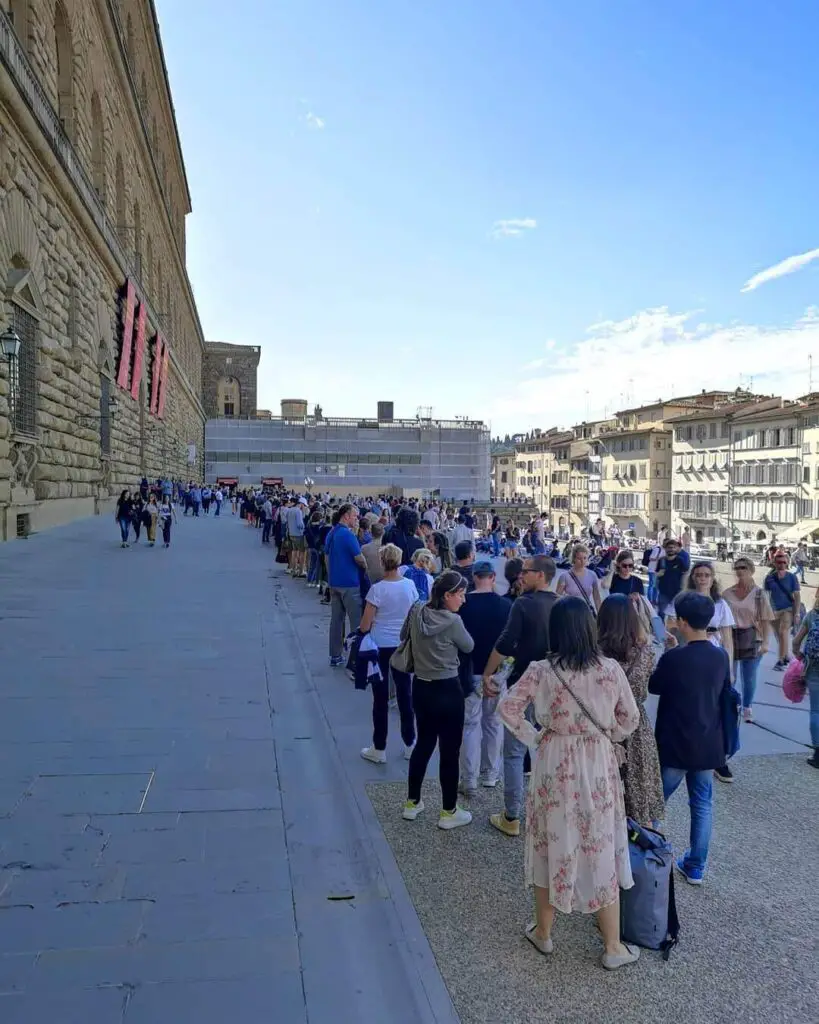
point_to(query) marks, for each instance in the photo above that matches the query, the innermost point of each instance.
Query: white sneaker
(376, 756)
(454, 819)
(489, 783)
(412, 810)
(408, 751)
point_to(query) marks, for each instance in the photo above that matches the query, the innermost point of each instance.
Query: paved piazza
(187, 831)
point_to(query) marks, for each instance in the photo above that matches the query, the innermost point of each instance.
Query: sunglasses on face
(627, 565)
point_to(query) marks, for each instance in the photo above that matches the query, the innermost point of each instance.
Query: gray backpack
(648, 911)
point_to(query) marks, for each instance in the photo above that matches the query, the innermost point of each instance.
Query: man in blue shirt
(671, 571)
(782, 588)
(344, 562)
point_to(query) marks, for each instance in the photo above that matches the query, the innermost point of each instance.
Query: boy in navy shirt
(689, 681)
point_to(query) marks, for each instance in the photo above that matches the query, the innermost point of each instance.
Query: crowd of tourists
(545, 674)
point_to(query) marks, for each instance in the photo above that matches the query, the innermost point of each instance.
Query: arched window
(122, 204)
(65, 69)
(97, 146)
(18, 12)
(25, 308)
(137, 239)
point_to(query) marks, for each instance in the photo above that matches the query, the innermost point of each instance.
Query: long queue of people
(549, 680)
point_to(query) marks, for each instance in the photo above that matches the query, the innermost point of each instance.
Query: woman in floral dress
(623, 637)
(576, 844)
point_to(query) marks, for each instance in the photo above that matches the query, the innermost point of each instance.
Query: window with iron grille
(24, 384)
(105, 416)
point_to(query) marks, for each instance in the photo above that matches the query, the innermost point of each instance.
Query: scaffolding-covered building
(418, 457)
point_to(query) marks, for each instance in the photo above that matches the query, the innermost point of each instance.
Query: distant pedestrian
(151, 516)
(167, 515)
(122, 516)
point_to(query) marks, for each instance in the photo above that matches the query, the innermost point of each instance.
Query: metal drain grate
(23, 524)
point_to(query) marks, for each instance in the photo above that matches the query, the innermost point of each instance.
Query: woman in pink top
(580, 581)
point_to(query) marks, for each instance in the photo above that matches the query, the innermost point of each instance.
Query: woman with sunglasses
(437, 635)
(703, 580)
(752, 616)
(782, 588)
(624, 581)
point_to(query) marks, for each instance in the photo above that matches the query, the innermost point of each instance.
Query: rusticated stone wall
(75, 245)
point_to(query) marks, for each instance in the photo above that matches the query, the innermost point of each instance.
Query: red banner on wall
(156, 371)
(128, 304)
(163, 385)
(139, 350)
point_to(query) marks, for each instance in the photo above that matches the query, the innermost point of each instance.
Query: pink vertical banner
(139, 350)
(163, 385)
(128, 303)
(156, 371)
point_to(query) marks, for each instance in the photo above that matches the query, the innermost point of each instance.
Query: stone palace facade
(105, 385)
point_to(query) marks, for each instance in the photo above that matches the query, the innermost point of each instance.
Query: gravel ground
(748, 946)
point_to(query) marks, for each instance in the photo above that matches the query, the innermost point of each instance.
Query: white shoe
(412, 810)
(376, 756)
(408, 751)
(454, 819)
(489, 783)
(468, 791)
(611, 961)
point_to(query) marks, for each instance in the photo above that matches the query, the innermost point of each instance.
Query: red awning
(272, 481)
(226, 480)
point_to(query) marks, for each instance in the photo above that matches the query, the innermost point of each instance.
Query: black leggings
(439, 717)
(381, 696)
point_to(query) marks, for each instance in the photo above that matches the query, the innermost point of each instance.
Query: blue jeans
(812, 682)
(313, 567)
(652, 587)
(514, 753)
(496, 548)
(124, 529)
(700, 800)
(746, 671)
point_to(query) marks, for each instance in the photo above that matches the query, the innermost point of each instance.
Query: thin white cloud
(788, 266)
(314, 121)
(513, 226)
(656, 353)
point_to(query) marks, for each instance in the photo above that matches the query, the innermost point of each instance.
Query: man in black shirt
(464, 561)
(484, 613)
(526, 639)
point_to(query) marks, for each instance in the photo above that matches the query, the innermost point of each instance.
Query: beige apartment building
(503, 481)
(768, 492)
(637, 462)
(533, 464)
(701, 467)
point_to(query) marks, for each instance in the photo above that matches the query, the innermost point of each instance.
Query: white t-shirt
(654, 557)
(393, 600)
(723, 617)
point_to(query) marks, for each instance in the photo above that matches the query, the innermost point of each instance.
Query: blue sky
(352, 165)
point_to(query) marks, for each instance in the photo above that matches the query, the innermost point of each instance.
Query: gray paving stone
(72, 926)
(259, 874)
(258, 915)
(100, 1006)
(161, 799)
(69, 885)
(274, 999)
(91, 794)
(15, 973)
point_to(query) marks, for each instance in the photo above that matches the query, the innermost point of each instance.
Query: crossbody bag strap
(581, 705)
(586, 597)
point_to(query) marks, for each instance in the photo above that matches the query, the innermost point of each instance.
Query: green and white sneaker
(412, 810)
(454, 819)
